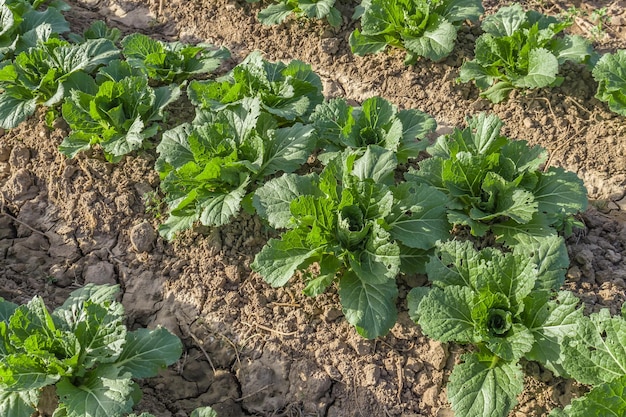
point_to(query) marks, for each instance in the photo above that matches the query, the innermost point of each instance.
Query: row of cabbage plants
(518, 49)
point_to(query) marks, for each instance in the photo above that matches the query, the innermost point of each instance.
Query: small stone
(603, 277)
(5, 152)
(139, 18)
(7, 229)
(574, 274)
(100, 273)
(5, 169)
(438, 354)
(142, 237)
(69, 171)
(333, 372)
(431, 396)
(613, 256)
(332, 314)
(361, 347)
(371, 374)
(584, 257)
(59, 276)
(18, 187)
(528, 123)
(330, 45)
(19, 156)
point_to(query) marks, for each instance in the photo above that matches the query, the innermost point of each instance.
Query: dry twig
(206, 355)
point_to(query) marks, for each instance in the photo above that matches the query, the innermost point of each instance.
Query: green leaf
(511, 232)
(455, 263)
(31, 318)
(50, 16)
(175, 224)
(446, 314)
(317, 9)
(76, 142)
(482, 134)
(14, 110)
(122, 144)
(174, 149)
(18, 403)
(7, 308)
(610, 73)
(289, 92)
(377, 164)
(117, 116)
(550, 321)
(436, 42)
(329, 266)
(484, 387)
(26, 371)
(272, 201)
(543, 67)
(335, 18)
(274, 14)
(102, 393)
(457, 11)
(412, 260)
(550, 256)
(99, 30)
(86, 56)
(416, 125)
(517, 343)
(413, 300)
(560, 192)
(92, 292)
(484, 77)
(289, 149)
(520, 50)
(203, 412)
(379, 260)
(507, 274)
(362, 44)
(148, 351)
(98, 326)
(419, 219)
(502, 199)
(370, 307)
(597, 352)
(333, 121)
(170, 62)
(499, 92)
(572, 48)
(604, 400)
(525, 157)
(506, 21)
(376, 125)
(279, 259)
(219, 209)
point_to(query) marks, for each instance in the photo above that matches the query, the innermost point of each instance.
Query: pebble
(5, 152)
(142, 237)
(100, 273)
(19, 156)
(528, 123)
(574, 274)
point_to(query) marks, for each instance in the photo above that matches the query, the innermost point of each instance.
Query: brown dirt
(252, 349)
